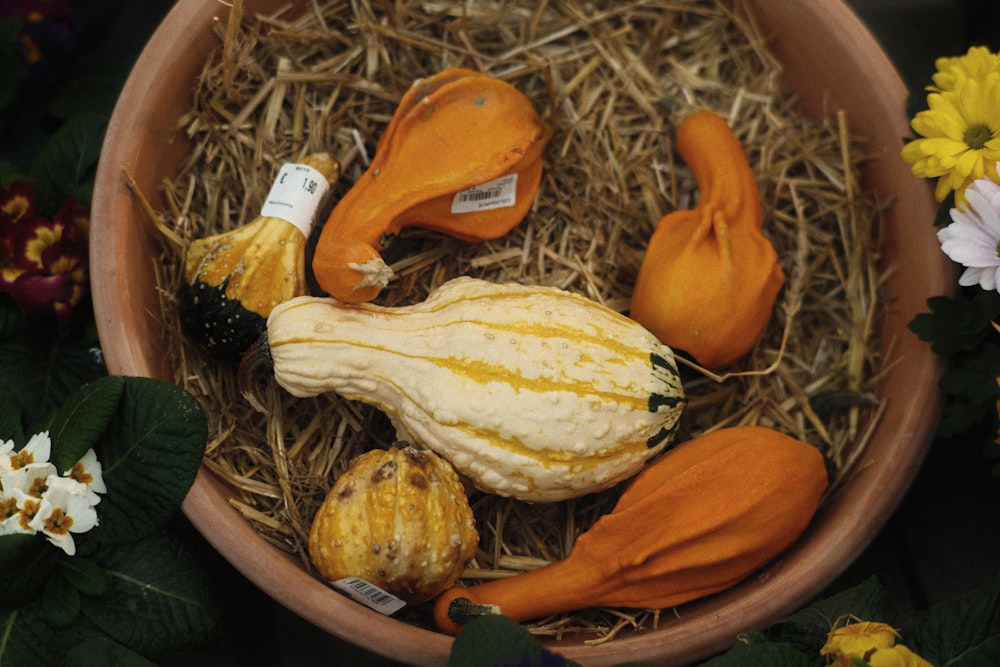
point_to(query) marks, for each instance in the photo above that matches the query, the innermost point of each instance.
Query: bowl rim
(709, 626)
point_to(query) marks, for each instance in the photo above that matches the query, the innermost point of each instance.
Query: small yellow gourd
(530, 392)
(233, 279)
(397, 518)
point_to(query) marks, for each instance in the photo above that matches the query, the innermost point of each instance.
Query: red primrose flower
(43, 262)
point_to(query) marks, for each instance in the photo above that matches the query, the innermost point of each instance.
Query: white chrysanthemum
(973, 237)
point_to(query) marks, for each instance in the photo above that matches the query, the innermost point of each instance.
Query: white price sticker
(369, 595)
(498, 193)
(295, 196)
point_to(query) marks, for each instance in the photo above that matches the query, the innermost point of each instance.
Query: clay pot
(831, 62)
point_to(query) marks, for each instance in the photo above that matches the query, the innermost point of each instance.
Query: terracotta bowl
(832, 63)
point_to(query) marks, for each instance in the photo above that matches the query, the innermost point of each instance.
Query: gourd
(397, 518)
(709, 278)
(232, 280)
(462, 155)
(699, 519)
(530, 392)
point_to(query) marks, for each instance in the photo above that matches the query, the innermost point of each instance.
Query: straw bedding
(612, 79)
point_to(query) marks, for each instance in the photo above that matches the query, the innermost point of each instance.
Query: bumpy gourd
(531, 392)
(698, 520)
(462, 155)
(709, 279)
(397, 518)
(233, 279)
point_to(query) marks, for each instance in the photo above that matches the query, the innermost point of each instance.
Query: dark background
(943, 540)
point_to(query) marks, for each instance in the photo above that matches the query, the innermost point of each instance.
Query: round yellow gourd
(399, 519)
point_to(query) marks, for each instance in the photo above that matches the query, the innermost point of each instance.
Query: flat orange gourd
(710, 278)
(462, 155)
(698, 520)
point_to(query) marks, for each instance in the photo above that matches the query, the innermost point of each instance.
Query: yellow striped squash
(530, 392)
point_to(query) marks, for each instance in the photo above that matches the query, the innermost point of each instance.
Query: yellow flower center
(58, 523)
(21, 459)
(28, 512)
(80, 474)
(38, 487)
(976, 136)
(8, 508)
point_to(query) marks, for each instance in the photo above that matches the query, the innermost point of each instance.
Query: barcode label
(498, 193)
(369, 595)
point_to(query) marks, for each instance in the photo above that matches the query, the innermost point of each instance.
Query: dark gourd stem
(561, 586)
(463, 610)
(255, 361)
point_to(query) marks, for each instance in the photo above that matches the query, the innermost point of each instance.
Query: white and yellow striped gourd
(530, 392)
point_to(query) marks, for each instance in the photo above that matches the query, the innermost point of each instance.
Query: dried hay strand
(612, 79)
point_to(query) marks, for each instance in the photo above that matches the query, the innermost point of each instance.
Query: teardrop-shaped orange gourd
(453, 132)
(710, 278)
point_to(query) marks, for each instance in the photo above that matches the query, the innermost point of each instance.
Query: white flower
(36, 452)
(64, 510)
(6, 449)
(35, 498)
(31, 480)
(10, 512)
(27, 507)
(88, 471)
(973, 237)
(69, 485)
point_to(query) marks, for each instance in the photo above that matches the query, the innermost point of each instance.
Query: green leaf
(158, 598)
(772, 654)
(958, 324)
(958, 418)
(43, 371)
(82, 420)
(104, 653)
(963, 631)
(93, 86)
(149, 458)
(84, 574)
(497, 640)
(808, 628)
(27, 640)
(26, 561)
(60, 602)
(65, 165)
(11, 426)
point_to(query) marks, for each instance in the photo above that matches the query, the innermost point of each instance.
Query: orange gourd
(709, 279)
(698, 520)
(462, 155)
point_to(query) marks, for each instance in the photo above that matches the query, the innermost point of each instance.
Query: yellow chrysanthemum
(873, 642)
(858, 640)
(977, 63)
(960, 131)
(897, 656)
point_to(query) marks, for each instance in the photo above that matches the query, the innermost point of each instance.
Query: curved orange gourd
(710, 278)
(451, 132)
(696, 521)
